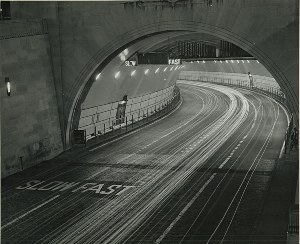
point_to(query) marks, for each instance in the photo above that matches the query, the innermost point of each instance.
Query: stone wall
(29, 116)
(85, 36)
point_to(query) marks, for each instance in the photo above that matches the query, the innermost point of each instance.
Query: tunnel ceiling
(170, 43)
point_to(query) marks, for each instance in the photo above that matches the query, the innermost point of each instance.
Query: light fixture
(171, 68)
(117, 74)
(125, 51)
(257, 61)
(165, 69)
(156, 70)
(146, 71)
(215, 61)
(242, 61)
(203, 61)
(198, 61)
(231, 61)
(122, 56)
(8, 88)
(226, 61)
(248, 61)
(238, 61)
(221, 61)
(133, 72)
(98, 76)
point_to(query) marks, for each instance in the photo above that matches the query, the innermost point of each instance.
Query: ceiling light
(98, 76)
(125, 51)
(133, 72)
(117, 74)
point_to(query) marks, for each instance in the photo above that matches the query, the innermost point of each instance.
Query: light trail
(130, 212)
(167, 158)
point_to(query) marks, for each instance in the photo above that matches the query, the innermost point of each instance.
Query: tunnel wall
(82, 36)
(100, 119)
(29, 116)
(231, 66)
(144, 92)
(110, 89)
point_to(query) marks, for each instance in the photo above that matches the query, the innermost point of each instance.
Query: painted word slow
(104, 188)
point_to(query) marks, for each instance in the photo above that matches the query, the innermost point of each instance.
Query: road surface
(199, 175)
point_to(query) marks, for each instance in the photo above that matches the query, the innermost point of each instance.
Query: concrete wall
(29, 117)
(110, 89)
(229, 66)
(85, 36)
(94, 120)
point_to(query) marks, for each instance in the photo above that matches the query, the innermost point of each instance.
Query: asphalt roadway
(200, 175)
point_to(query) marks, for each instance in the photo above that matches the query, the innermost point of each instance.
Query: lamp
(8, 87)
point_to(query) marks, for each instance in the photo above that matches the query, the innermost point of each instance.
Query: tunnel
(164, 121)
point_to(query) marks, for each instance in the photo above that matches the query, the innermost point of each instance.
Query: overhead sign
(130, 63)
(174, 61)
(79, 136)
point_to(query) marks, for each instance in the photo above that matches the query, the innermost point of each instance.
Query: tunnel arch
(103, 56)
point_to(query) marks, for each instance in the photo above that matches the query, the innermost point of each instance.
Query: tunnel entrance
(151, 35)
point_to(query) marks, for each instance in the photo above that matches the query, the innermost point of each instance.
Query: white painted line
(30, 211)
(226, 160)
(183, 211)
(282, 149)
(245, 137)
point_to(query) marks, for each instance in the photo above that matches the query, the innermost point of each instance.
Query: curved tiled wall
(100, 119)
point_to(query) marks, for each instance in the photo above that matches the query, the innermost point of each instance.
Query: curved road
(199, 175)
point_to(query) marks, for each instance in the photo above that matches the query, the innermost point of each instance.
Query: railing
(102, 124)
(262, 84)
(293, 227)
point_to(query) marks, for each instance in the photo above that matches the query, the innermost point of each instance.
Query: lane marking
(183, 211)
(282, 149)
(226, 160)
(30, 211)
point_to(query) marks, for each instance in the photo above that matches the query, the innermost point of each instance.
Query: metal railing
(103, 129)
(265, 87)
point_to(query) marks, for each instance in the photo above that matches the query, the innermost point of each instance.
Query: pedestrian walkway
(278, 221)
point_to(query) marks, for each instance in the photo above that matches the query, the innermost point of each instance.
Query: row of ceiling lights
(226, 61)
(117, 74)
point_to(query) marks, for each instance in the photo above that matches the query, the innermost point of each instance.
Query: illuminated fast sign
(174, 61)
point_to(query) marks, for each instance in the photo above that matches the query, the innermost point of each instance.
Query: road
(199, 175)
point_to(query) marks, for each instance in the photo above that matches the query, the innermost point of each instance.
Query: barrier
(263, 84)
(100, 122)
